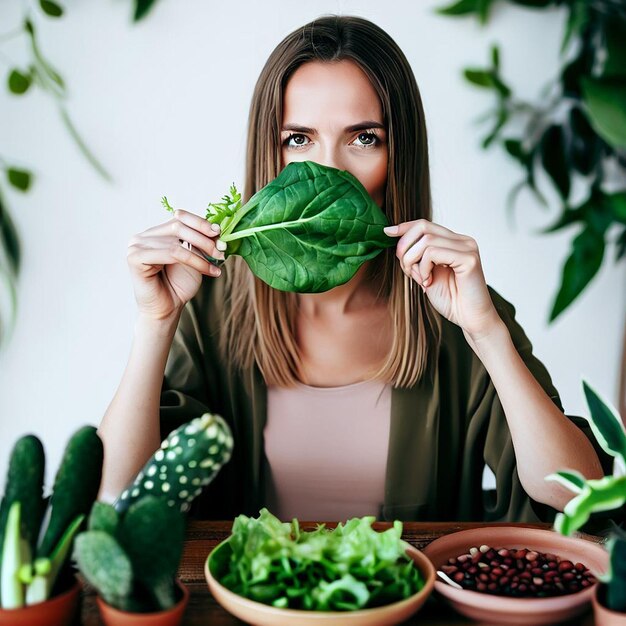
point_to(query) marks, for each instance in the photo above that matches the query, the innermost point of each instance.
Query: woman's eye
(368, 139)
(298, 140)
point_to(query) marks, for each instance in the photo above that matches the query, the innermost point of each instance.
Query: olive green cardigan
(443, 430)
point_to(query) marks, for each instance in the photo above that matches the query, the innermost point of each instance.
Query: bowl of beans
(515, 575)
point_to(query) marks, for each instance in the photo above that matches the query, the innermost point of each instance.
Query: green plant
(577, 133)
(348, 568)
(187, 460)
(131, 550)
(32, 561)
(39, 73)
(604, 494)
(131, 558)
(308, 230)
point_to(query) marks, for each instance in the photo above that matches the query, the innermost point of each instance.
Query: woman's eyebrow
(349, 129)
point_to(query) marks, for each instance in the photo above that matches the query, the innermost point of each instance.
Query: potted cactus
(131, 551)
(37, 584)
(604, 494)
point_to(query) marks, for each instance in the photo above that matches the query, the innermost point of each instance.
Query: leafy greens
(348, 568)
(307, 231)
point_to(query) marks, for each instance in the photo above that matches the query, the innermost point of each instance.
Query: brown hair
(260, 325)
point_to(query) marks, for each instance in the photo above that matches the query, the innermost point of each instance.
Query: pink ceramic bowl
(502, 610)
(260, 614)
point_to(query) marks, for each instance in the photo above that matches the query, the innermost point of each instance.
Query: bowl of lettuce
(273, 573)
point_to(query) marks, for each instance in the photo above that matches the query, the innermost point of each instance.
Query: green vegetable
(25, 483)
(307, 231)
(75, 487)
(348, 568)
(187, 461)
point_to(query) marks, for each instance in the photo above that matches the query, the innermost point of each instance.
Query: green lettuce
(350, 567)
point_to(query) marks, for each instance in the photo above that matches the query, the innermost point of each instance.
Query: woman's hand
(166, 265)
(447, 267)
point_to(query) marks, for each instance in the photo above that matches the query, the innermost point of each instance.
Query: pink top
(326, 450)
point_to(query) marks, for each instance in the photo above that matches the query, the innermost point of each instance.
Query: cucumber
(24, 484)
(187, 461)
(75, 487)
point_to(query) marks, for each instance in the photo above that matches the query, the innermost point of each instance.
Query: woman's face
(332, 115)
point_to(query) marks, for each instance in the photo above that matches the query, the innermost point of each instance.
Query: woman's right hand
(165, 273)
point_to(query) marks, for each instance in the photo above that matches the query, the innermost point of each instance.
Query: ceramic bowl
(260, 614)
(488, 608)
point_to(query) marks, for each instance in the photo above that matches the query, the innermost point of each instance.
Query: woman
(386, 395)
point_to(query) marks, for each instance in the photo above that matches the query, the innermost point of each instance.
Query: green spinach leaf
(307, 231)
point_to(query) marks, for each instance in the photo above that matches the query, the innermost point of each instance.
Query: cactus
(131, 558)
(131, 550)
(188, 460)
(25, 579)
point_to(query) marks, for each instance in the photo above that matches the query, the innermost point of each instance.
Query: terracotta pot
(602, 615)
(59, 610)
(172, 617)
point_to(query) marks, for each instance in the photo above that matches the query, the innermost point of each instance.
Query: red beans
(517, 573)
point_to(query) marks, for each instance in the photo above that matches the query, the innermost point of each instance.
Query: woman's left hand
(447, 267)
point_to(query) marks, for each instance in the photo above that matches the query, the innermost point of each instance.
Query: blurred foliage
(576, 131)
(38, 73)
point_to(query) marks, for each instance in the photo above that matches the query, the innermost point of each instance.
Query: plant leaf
(617, 205)
(9, 239)
(482, 78)
(605, 423)
(606, 108)
(554, 159)
(20, 179)
(615, 592)
(142, 7)
(581, 266)
(18, 82)
(51, 8)
(572, 480)
(308, 230)
(585, 145)
(462, 7)
(615, 36)
(605, 494)
(576, 21)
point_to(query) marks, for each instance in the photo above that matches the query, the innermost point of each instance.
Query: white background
(164, 105)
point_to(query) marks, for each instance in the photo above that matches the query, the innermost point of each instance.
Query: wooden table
(202, 537)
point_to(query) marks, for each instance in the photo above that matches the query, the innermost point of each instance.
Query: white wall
(164, 106)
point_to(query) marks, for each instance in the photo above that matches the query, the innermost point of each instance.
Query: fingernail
(215, 227)
(220, 245)
(390, 230)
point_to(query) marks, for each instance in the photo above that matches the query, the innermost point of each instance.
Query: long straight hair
(260, 325)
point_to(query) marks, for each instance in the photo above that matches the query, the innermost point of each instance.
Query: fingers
(417, 236)
(460, 262)
(415, 253)
(150, 255)
(186, 227)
